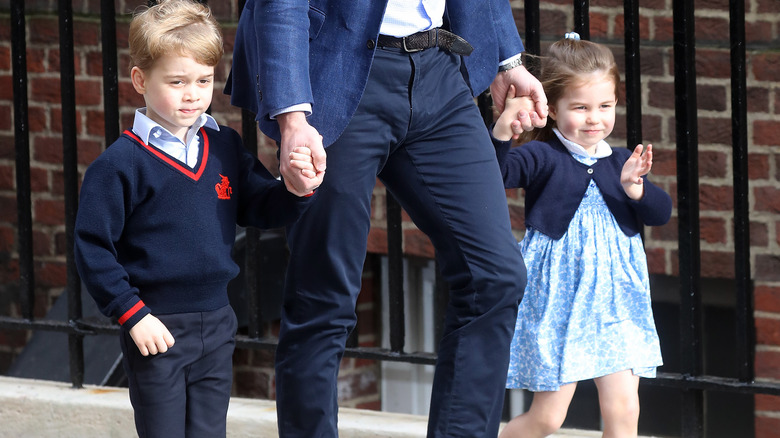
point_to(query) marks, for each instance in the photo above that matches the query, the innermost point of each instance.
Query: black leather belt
(427, 39)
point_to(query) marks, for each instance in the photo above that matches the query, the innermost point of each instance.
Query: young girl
(586, 311)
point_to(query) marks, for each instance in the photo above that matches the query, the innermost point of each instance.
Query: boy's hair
(567, 64)
(183, 27)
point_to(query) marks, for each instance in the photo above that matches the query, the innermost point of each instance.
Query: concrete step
(45, 409)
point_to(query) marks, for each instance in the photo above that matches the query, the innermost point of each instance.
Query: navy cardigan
(555, 183)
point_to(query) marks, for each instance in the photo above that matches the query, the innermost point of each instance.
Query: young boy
(157, 223)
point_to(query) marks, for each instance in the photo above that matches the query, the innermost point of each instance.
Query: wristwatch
(511, 64)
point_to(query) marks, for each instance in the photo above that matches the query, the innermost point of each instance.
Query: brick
(89, 92)
(86, 33)
(716, 198)
(711, 29)
(663, 29)
(765, 132)
(768, 6)
(758, 166)
(767, 298)
(722, 5)
(757, 99)
(767, 364)
(766, 427)
(377, 241)
(713, 230)
(714, 130)
(767, 267)
(418, 244)
(5, 58)
(41, 244)
(664, 162)
(37, 118)
(39, 180)
(713, 164)
(5, 118)
(766, 402)
(44, 90)
(6, 87)
(767, 331)
(653, 60)
(661, 94)
(711, 97)
(759, 31)
(8, 209)
(7, 177)
(767, 199)
(656, 261)
(47, 150)
(713, 63)
(50, 275)
(765, 65)
(49, 212)
(94, 63)
(599, 25)
(715, 264)
(759, 235)
(667, 232)
(47, 31)
(7, 241)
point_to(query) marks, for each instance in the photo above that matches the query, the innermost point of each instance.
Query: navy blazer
(289, 52)
(555, 183)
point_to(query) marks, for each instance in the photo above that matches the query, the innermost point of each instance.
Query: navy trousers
(417, 128)
(185, 391)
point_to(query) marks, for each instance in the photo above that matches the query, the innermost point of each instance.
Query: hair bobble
(572, 36)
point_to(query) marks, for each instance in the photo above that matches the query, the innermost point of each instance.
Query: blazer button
(590, 170)
(370, 44)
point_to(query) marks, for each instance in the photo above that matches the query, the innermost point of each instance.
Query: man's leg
(328, 248)
(446, 177)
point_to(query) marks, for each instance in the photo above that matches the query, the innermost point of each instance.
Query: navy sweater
(154, 236)
(555, 183)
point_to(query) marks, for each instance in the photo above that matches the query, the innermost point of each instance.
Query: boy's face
(177, 90)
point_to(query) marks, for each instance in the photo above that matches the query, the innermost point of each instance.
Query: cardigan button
(590, 170)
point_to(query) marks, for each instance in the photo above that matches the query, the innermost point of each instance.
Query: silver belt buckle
(406, 49)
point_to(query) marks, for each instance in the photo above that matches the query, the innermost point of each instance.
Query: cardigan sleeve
(655, 207)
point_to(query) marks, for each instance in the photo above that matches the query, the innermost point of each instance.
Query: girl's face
(585, 114)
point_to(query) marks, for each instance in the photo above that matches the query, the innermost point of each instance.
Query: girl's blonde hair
(567, 64)
(183, 27)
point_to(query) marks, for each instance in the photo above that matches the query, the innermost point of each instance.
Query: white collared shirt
(405, 17)
(602, 147)
(150, 132)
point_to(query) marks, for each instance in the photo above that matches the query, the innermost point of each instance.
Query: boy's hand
(516, 109)
(151, 336)
(637, 165)
(300, 158)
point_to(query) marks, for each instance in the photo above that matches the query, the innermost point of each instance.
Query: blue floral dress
(586, 310)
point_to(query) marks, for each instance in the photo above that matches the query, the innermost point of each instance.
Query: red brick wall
(715, 162)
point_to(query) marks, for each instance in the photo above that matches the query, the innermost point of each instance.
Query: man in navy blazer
(386, 87)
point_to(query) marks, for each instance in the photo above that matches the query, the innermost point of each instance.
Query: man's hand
(526, 85)
(151, 336)
(297, 133)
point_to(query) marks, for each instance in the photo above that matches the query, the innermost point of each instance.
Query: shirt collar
(147, 129)
(602, 147)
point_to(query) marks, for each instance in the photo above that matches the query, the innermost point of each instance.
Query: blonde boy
(157, 221)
